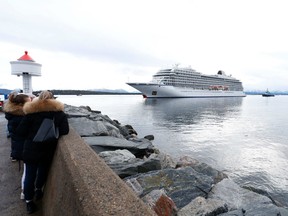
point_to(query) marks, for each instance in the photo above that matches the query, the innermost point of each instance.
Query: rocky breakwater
(184, 187)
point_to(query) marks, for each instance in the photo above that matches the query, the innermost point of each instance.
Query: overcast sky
(104, 44)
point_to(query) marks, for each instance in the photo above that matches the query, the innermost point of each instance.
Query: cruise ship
(181, 82)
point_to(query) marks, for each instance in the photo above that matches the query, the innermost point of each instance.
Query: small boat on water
(268, 94)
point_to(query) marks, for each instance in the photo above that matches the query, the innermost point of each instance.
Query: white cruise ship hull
(153, 90)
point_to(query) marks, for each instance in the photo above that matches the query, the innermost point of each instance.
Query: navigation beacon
(26, 67)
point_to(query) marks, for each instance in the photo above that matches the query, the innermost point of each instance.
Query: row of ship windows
(203, 84)
(231, 88)
(186, 71)
(202, 77)
(197, 77)
(207, 82)
(189, 74)
(194, 81)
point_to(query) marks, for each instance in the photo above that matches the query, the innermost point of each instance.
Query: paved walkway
(10, 179)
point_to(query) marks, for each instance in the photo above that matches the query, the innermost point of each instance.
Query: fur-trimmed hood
(47, 105)
(12, 108)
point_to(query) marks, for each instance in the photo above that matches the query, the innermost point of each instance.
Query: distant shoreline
(85, 92)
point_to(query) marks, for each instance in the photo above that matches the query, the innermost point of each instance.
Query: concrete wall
(80, 183)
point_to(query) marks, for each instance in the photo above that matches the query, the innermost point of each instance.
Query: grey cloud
(58, 37)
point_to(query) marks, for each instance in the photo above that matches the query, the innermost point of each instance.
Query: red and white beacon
(25, 66)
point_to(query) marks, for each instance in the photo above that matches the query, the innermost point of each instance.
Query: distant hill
(109, 90)
(78, 92)
(90, 92)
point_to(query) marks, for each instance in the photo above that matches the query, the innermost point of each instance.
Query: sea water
(244, 137)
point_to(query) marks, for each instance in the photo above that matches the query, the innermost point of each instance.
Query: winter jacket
(14, 114)
(35, 112)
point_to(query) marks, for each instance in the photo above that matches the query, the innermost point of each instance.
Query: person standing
(13, 109)
(38, 156)
(14, 114)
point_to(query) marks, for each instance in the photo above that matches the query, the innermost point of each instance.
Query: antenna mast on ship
(176, 65)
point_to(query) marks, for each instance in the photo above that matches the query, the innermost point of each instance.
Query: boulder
(125, 164)
(202, 168)
(240, 200)
(109, 143)
(182, 185)
(134, 184)
(166, 160)
(160, 203)
(118, 156)
(103, 125)
(81, 111)
(201, 206)
(91, 128)
(149, 137)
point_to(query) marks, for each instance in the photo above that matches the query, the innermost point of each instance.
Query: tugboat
(268, 94)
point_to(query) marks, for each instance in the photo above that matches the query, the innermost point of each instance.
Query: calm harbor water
(244, 137)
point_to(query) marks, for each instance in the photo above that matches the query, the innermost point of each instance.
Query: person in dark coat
(14, 114)
(13, 109)
(38, 156)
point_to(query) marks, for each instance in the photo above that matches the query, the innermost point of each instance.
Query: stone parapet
(81, 183)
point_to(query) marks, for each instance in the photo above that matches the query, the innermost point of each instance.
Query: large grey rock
(182, 185)
(92, 126)
(112, 127)
(87, 127)
(135, 167)
(235, 196)
(81, 111)
(112, 130)
(166, 160)
(118, 156)
(109, 143)
(240, 200)
(202, 168)
(117, 143)
(201, 206)
(135, 185)
(258, 210)
(124, 163)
